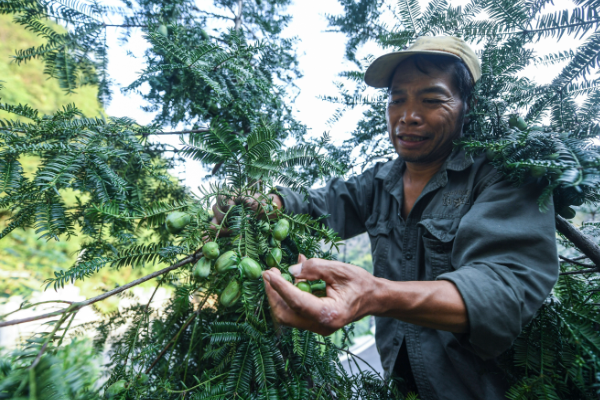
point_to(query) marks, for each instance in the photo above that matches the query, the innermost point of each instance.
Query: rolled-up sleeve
(346, 202)
(506, 263)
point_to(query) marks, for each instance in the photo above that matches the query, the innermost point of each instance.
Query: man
(462, 258)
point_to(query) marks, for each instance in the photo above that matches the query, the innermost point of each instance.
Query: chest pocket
(379, 230)
(438, 242)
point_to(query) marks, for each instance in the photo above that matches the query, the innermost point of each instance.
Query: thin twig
(183, 328)
(164, 350)
(572, 261)
(581, 271)
(78, 306)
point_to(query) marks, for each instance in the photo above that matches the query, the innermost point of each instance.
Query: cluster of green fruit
(250, 269)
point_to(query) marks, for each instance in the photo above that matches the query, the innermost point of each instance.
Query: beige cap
(380, 71)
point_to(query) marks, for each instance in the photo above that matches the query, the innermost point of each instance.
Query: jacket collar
(391, 172)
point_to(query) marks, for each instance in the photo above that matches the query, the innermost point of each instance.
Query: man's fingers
(310, 307)
(316, 268)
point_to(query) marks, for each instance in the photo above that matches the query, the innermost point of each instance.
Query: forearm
(436, 305)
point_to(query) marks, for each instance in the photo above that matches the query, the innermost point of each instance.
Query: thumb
(301, 258)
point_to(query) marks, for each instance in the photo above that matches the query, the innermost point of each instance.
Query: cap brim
(379, 73)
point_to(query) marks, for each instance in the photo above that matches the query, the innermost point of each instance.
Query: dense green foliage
(228, 85)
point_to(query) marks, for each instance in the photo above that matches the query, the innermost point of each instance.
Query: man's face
(424, 113)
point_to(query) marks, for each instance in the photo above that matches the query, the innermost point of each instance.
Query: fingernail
(266, 276)
(296, 269)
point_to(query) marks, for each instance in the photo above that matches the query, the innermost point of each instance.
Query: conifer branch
(77, 306)
(579, 239)
(572, 261)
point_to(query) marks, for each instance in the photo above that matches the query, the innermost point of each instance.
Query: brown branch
(124, 26)
(183, 328)
(572, 261)
(583, 242)
(581, 271)
(78, 306)
(180, 132)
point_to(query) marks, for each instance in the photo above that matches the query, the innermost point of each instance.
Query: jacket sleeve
(347, 203)
(506, 263)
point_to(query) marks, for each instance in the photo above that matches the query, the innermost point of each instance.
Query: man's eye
(433, 101)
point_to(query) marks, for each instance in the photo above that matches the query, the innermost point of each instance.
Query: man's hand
(349, 289)
(223, 205)
(353, 293)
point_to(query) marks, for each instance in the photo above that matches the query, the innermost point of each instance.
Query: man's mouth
(411, 138)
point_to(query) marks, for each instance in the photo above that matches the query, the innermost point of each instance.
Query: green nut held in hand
(304, 286)
(251, 268)
(176, 221)
(211, 250)
(202, 268)
(287, 277)
(226, 260)
(281, 229)
(231, 294)
(274, 258)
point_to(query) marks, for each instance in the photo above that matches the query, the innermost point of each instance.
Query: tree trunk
(583, 242)
(238, 17)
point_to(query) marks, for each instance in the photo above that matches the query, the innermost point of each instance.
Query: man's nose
(410, 116)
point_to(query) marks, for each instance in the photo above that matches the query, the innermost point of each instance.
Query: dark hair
(462, 78)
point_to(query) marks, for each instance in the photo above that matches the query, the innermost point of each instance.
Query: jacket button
(408, 256)
(395, 342)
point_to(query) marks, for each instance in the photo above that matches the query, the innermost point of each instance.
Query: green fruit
(264, 227)
(537, 171)
(116, 388)
(567, 212)
(202, 268)
(287, 277)
(512, 121)
(318, 286)
(226, 260)
(162, 29)
(231, 294)
(273, 242)
(490, 154)
(251, 268)
(304, 286)
(176, 221)
(521, 124)
(211, 250)
(281, 229)
(274, 258)
(553, 156)
(143, 378)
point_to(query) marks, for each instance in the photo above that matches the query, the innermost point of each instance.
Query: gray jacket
(469, 226)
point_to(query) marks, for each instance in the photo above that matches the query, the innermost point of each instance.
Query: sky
(321, 59)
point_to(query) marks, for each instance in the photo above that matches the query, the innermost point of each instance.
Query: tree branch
(581, 271)
(78, 306)
(583, 242)
(572, 261)
(238, 17)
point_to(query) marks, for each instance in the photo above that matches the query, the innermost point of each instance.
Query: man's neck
(420, 172)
